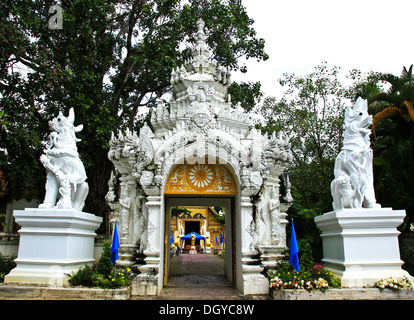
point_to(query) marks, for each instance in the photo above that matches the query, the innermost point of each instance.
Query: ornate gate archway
(199, 143)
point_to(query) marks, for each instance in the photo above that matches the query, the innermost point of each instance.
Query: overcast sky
(363, 34)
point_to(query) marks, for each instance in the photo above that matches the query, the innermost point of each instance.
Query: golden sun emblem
(201, 176)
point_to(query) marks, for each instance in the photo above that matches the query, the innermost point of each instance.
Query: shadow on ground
(199, 277)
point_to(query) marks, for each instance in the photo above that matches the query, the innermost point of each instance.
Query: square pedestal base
(53, 243)
(360, 246)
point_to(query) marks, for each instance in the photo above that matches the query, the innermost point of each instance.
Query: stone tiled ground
(200, 277)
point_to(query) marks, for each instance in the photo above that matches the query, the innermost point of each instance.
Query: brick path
(200, 277)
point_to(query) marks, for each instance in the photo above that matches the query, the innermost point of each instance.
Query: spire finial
(201, 36)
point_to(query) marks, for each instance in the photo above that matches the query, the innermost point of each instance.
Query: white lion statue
(66, 186)
(353, 186)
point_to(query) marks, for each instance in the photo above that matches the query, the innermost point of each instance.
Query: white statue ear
(78, 128)
(71, 116)
(361, 105)
(349, 112)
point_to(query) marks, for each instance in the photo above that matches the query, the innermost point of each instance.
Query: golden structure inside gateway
(200, 220)
(202, 179)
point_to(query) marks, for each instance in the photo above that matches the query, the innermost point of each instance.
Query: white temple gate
(200, 146)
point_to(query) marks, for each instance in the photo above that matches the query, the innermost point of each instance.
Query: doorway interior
(228, 259)
(192, 226)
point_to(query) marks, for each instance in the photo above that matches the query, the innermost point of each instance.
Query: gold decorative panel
(200, 179)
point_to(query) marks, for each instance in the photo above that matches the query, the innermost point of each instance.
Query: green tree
(247, 94)
(219, 215)
(110, 60)
(176, 211)
(393, 145)
(398, 100)
(311, 113)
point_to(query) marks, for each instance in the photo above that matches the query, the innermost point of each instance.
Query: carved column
(253, 281)
(153, 249)
(147, 283)
(272, 252)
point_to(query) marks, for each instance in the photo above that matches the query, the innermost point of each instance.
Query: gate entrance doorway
(192, 226)
(222, 252)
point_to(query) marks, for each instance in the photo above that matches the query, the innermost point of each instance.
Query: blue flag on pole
(221, 239)
(294, 250)
(115, 246)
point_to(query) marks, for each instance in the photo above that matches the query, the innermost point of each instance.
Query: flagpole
(294, 270)
(115, 270)
(114, 248)
(294, 250)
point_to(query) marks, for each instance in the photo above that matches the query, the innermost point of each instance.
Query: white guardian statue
(359, 238)
(353, 186)
(66, 186)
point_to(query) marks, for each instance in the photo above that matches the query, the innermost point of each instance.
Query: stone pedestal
(361, 245)
(53, 242)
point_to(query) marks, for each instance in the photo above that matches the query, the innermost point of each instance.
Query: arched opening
(200, 187)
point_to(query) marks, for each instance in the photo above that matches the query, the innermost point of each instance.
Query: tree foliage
(248, 94)
(110, 60)
(393, 145)
(397, 100)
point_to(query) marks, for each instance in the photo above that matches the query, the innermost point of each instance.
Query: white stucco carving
(66, 185)
(200, 125)
(353, 186)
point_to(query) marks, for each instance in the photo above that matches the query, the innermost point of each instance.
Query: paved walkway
(200, 277)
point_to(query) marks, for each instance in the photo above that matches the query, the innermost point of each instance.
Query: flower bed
(314, 278)
(101, 274)
(318, 283)
(342, 294)
(394, 284)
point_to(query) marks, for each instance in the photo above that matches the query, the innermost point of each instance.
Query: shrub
(311, 276)
(317, 277)
(6, 265)
(85, 276)
(407, 255)
(121, 280)
(101, 274)
(105, 265)
(88, 276)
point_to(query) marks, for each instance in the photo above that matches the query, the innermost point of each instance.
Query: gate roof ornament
(200, 123)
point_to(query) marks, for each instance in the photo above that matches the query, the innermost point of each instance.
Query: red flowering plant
(310, 277)
(316, 277)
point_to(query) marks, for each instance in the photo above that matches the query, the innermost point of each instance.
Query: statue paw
(374, 206)
(64, 204)
(46, 205)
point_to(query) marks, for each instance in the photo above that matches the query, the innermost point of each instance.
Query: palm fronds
(399, 97)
